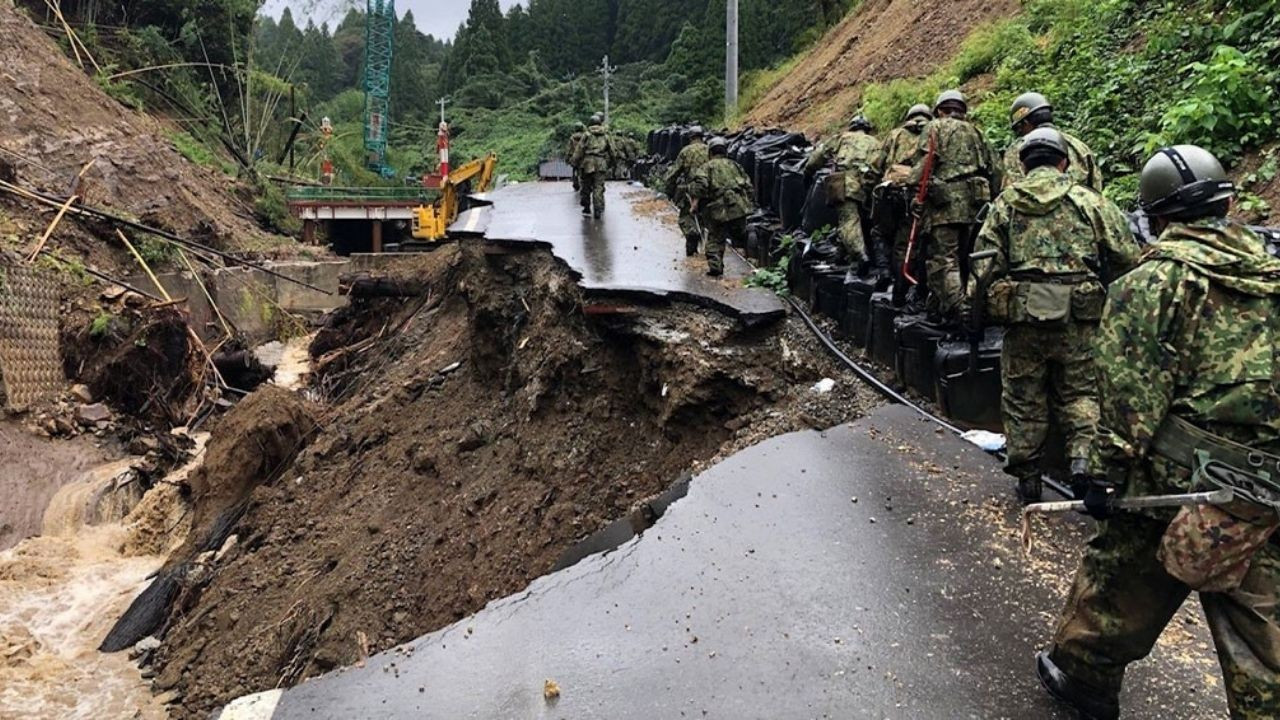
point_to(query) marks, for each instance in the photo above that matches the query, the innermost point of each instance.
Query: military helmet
(597, 118)
(579, 126)
(1180, 178)
(718, 146)
(919, 110)
(696, 131)
(1032, 107)
(951, 97)
(1043, 139)
(860, 122)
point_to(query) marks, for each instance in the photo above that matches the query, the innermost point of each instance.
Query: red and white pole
(442, 146)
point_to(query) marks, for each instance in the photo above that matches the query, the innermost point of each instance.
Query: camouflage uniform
(572, 150)
(1191, 333)
(1083, 169)
(593, 158)
(1048, 231)
(692, 157)
(891, 200)
(853, 154)
(724, 193)
(964, 176)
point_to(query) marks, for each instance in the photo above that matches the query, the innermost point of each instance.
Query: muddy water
(60, 593)
(31, 471)
(290, 359)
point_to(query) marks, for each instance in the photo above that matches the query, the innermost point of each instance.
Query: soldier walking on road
(594, 157)
(891, 199)
(852, 153)
(722, 199)
(676, 185)
(964, 176)
(1189, 392)
(571, 150)
(1057, 245)
(1030, 111)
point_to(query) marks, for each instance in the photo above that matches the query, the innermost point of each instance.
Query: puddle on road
(60, 593)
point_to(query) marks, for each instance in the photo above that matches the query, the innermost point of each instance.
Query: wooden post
(309, 232)
(377, 236)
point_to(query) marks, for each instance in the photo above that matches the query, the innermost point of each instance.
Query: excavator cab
(431, 222)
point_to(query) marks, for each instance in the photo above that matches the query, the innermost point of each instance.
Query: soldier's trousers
(942, 264)
(689, 228)
(591, 192)
(718, 235)
(891, 235)
(849, 213)
(1043, 370)
(1122, 598)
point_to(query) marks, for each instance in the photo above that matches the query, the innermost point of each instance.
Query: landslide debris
(475, 434)
(881, 40)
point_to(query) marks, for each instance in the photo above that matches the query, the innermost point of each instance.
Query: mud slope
(881, 40)
(56, 119)
(476, 443)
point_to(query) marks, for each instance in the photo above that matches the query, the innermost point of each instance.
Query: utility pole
(442, 102)
(731, 61)
(606, 70)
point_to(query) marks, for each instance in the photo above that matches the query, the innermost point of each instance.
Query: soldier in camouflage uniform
(571, 150)
(722, 195)
(594, 156)
(965, 177)
(891, 199)
(1057, 244)
(1187, 372)
(852, 154)
(691, 158)
(1030, 111)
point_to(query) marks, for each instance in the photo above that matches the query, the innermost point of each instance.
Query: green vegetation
(1128, 76)
(100, 327)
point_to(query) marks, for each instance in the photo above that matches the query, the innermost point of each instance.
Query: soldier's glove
(1098, 497)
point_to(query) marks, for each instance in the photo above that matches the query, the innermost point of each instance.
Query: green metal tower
(379, 31)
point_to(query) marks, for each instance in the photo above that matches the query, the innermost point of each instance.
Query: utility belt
(1210, 547)
(1046, 301)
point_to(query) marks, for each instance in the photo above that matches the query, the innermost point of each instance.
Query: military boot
(1030, 487)
(1090, 702)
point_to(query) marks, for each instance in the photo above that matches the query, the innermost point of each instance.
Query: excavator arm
(431, 222)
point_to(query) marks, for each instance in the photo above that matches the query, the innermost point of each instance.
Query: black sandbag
(829, 297)
(880, 339)
(791, 194)
(856, 322)
(817, 213)
(651, 142)
(970, 396)
(766, 171)
(917, 344)
(797, 273)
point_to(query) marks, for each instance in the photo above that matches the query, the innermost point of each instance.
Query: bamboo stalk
(147, 268)
(39, 244)
(225, 326)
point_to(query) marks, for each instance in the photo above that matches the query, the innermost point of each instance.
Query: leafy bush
(1226, 106)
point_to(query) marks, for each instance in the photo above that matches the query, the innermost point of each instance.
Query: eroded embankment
(474, 435)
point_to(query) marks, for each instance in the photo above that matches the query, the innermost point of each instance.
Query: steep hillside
(56, 120)
(881, 40)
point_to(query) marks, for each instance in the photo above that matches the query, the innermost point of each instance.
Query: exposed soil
(56, 119)
(484, 434)
(881, 40)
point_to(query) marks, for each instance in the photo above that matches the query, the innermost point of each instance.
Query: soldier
(964, 177)
(1030, 111)
(692, 157)
(1057, 245)
(891, 199)
(852, 153)
(593, 157)
(1188, 390)
(579, 132)
(722, 195)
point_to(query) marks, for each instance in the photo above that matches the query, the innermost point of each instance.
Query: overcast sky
(433, 17)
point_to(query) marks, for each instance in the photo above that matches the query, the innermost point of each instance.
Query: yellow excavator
(431, 222)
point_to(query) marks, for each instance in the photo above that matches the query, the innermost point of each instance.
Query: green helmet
(1030, 107)
(919, 110)
(696, 131)
(597, 118)
(1182, 177)
(718, 146)
(1043, 139)
(951, 98)
(860, 122)
(579, 127)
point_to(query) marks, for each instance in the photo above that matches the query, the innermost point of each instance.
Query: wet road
(871, 571)
(636, 249)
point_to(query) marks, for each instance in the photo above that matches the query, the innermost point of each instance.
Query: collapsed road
(870, 570)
